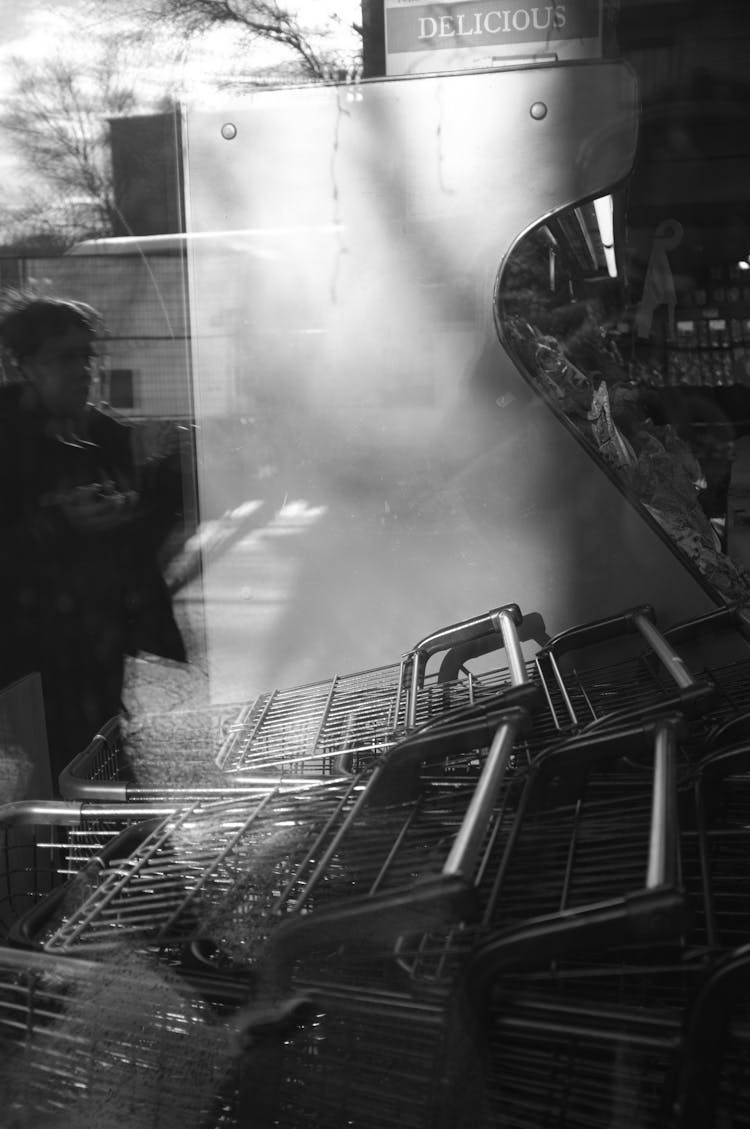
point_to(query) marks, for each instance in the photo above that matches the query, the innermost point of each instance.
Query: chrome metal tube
(672, 662)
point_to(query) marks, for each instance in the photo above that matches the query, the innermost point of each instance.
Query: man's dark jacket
(72, 602)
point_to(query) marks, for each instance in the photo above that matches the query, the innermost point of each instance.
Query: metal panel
(347, 363)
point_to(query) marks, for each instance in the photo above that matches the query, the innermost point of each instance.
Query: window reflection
(652, 376)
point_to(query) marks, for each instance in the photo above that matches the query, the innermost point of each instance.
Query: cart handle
(396, 777)
(730, 616)
(504, 621)
(648, 918)
(465, 850)
(457, 633)
(421, 906)
(639, 619)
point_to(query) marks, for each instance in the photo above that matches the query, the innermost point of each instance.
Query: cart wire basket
(595, 674)
(623, 667)
(169, 757)
(252, 859)
(335, 727)
(554, 1053)
(121, 1042)
(645, 1037)
(570, 1043)
(413, 885)
(716, 847)
(393, 844)
(364, 713)
(657, 1041)
(712, 1087)
(45, 843)
(582, 851)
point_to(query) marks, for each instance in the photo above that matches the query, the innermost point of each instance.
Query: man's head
(52, 345)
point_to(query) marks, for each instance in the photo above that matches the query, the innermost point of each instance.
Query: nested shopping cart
(579, 850)
(45, 843)
(397, 846)
(583, 851)
(121, 1042)
(335, 727)
(657, 1044)
(716, 847)
(657, 1040)
(581, 1044)
(130, 1043)
(573, 1040)
(624, 667)
(163, 756)
(712, 1088)
(596, 673)
(240, 864)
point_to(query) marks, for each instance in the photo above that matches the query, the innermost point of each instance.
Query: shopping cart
(536, 1049)
(397, 846)
(600, 673)
(712, 1088)
(716, 847)
(121, 1042)
(370, 1059)
(422, 878)
(590, 1045)
(584, 853)
(259, 856)
(44, 843)
(339, 725)
(128, 1042)
(330, 728)
(639, 672)
(158, 756)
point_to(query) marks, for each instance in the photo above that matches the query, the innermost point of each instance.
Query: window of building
(121, 388)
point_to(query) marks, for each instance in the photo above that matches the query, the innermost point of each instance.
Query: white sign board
(466, 34)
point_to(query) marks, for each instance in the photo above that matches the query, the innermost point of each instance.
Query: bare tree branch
(260, 21)
(57, 118)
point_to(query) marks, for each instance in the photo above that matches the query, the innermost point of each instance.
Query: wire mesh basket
(644, 1037)
(620, 668)
(275, 884)
(245, 863)
(167, 756)
(118, 1043)
(43, 844)
(712, 1089)
(595, 674)
(485, 1051)
(564, 1059)
(291, 737)
(640, 673)
(583, 851)
(394, 845)
(716, 848)
(370, 1059)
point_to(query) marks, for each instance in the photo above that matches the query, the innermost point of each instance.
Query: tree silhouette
(315, 49)
(57, 118)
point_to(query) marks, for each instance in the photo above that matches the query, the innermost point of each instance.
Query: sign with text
(467, 34)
